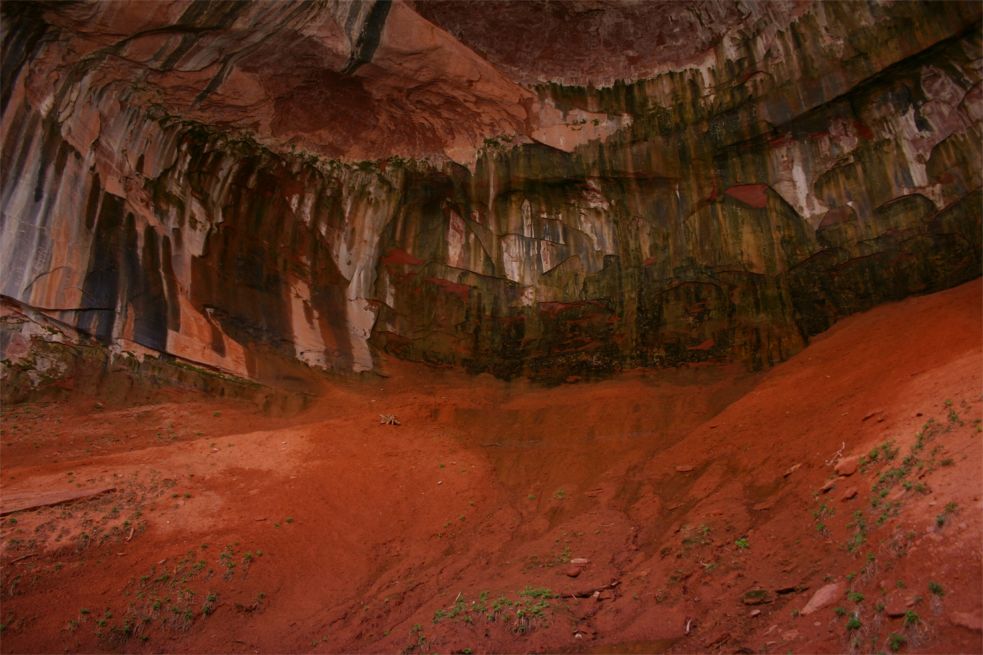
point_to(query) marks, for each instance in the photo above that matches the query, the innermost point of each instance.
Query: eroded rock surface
(239, 184)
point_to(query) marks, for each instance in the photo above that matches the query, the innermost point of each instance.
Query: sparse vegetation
(953, 416)
(859, 526)
(521, 613)
(209, 605)
(947, 511)
(696, 536)
(820, 514)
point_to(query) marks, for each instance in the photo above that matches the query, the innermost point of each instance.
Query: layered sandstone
(239, 184)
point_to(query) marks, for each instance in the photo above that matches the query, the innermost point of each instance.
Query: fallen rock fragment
(969, 620)
(847, 466)
(756, 597)
(897, 603)
(824, 596)
(684, 468)
(848, 494)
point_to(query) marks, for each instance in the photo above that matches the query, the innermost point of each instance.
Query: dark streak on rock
(368, 39)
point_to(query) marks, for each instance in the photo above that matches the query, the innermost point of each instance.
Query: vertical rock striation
(247, 184)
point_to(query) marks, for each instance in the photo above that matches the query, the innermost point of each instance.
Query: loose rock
(847, 466)
(969, 620)
(756, 597)
(897, 603)
(824, 596)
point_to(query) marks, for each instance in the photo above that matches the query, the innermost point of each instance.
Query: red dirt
(330, 532)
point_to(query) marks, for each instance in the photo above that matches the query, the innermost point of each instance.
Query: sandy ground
(662, 511)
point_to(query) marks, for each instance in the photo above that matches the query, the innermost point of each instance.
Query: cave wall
(807, 166)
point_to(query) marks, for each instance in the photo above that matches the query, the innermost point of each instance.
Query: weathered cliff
(239, 184)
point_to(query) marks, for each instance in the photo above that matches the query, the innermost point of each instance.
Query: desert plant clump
(820, 514)
(859, 524)
(521, 614)
(943, 517)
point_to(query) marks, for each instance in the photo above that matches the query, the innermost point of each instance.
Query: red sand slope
(694, 495)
